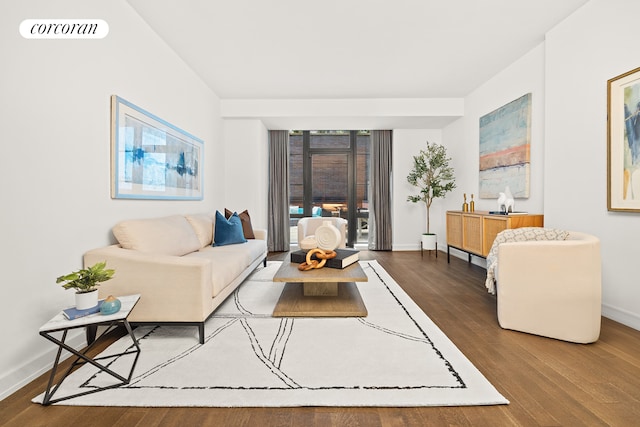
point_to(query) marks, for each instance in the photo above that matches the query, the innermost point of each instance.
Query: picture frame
(623, 142)
(505, 150)
(151, 158)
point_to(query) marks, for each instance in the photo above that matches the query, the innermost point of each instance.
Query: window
(328, 176)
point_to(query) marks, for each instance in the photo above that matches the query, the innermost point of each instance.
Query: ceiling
(350, 49)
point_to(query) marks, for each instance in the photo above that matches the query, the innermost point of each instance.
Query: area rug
(396, 356)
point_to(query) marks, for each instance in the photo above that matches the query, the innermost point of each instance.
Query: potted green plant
(86, 282)
(434, 178)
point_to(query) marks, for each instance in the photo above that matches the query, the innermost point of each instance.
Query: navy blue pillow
(228, 231)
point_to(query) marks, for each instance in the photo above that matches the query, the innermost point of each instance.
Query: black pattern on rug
(272, 353)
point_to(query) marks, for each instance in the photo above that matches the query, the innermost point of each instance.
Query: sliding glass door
(329, 183)
(328, 177)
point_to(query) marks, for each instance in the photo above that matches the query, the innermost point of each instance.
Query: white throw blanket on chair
(522, 234)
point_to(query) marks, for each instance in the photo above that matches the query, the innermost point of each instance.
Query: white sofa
(551, 288)
(172, 264)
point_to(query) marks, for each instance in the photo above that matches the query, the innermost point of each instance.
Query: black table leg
(90, 332)
(82, 358)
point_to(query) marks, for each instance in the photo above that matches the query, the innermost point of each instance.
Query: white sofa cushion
(171, 235)
(252, 249)
(229, 261)
(203, 226)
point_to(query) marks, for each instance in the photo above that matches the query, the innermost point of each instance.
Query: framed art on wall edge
(505, 149)
(151, 158)
(623, 142)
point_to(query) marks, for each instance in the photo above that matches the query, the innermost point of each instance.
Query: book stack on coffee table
(344, 258)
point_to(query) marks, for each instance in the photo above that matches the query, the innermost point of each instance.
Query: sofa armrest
(172, 288)
(260, 233)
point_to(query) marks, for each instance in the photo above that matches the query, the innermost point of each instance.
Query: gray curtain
(278, 239)
(380, 237)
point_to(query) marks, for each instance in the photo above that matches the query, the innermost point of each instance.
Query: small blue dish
(110, 305)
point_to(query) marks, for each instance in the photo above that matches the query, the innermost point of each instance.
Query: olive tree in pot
(85, 282)
(434, 178)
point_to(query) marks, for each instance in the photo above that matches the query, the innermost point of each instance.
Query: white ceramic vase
(328, 236)
(86, 300)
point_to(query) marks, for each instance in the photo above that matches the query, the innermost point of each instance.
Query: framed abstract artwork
(151, 158)
(623, 142)
(505, 149)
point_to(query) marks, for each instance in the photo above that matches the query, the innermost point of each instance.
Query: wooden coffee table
(323, 292)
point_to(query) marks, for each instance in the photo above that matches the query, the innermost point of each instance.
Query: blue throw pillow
(228, 231)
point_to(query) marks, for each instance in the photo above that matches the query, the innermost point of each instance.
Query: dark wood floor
(548, 382)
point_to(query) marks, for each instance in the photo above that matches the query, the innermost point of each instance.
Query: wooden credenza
(474, 232)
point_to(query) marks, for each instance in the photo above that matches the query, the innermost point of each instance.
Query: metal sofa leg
(201, 332)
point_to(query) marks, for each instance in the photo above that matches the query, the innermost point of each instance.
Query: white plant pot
(429, 242)
(86, 300)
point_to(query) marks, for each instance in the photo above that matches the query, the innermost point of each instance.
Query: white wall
(595, 44)
(247, 167)
(462, 138)
(55, 174)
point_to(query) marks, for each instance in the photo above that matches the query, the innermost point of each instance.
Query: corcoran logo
(64, 28)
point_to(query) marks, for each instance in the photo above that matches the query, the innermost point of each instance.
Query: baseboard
(619, 315)
(406, 247)
(23, 375)
(414, 247)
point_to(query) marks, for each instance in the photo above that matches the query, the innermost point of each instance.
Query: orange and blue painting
(505, 149)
